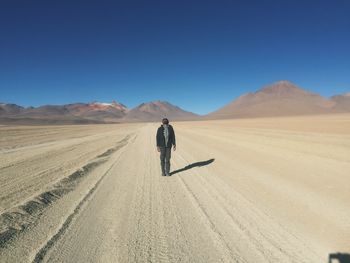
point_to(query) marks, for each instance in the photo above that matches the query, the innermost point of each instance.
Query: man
(165, 140)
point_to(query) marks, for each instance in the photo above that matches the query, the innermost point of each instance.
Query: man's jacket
(161, 139)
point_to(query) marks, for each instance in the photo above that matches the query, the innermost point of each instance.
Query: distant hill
(9, 109)
(156, 110)
(77, 113)
(342, 102)
(282, 98)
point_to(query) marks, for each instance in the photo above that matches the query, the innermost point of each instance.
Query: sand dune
(250, 190)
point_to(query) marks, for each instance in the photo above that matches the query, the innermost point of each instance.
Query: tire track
(51, 242)
(17, 219)
(228, 254)
(271, 240)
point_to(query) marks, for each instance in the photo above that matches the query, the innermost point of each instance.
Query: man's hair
(165, 121)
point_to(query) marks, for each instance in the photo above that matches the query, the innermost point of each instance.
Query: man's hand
(158, 149)
(174, 147)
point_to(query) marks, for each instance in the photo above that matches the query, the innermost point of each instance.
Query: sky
(198, 55)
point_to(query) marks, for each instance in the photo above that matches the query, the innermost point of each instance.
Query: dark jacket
(161, 139)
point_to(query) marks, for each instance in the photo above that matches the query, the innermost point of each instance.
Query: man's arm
(174, 139)
(157, 138)
(157, 141)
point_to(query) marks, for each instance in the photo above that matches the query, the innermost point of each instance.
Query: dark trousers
(165, 155)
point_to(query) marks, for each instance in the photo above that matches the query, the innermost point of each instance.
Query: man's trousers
(165, 155)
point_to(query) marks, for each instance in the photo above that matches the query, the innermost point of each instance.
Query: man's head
(165, 121)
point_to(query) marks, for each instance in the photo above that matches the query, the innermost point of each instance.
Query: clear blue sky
(198, 55)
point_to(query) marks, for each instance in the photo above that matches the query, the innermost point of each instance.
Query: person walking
(165, 140)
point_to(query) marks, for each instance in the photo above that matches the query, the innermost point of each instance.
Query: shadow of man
(339, 258)
(197, 164)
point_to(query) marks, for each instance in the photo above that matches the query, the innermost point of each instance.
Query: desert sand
(248, 190)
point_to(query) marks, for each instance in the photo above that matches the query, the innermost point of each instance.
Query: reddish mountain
(98, 110)
(282, 98)
(94, 112)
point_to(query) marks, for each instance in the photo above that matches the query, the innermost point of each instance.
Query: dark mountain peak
(10, 105)
(10, 108)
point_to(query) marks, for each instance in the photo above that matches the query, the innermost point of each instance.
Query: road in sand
(268, 190)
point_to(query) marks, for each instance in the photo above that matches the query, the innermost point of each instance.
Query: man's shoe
(167, 174)
(163, 174)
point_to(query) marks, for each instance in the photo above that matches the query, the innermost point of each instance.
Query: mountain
(98, 111)
(45, 111)
(342, 102)
(282, 98)
(6, 108)
(156, 110)
(77, 113)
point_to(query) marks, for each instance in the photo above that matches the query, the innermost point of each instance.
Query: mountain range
(94, 112)
(282, 98)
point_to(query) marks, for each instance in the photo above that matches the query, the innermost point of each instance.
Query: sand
(258, 190)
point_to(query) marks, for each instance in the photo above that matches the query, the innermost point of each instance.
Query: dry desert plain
(249, 190)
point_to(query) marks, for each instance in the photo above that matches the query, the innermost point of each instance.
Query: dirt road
(238, 193)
